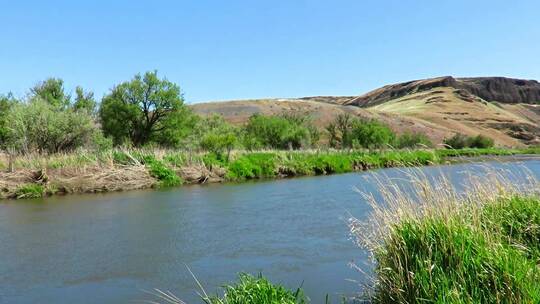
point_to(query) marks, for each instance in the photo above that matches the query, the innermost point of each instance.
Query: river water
(111, 248)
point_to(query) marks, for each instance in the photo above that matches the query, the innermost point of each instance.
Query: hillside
(505, 109)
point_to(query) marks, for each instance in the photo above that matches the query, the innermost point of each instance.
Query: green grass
(166, 176)
(30, 191)
(250, 290)
(485, 255)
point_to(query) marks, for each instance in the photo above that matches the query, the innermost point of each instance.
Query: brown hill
(501, 89)
(505, 109)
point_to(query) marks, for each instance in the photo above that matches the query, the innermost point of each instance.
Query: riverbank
(35, 176)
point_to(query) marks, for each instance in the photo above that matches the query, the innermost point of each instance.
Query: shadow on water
(109, 248)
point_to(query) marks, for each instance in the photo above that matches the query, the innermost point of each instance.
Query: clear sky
(220, 50)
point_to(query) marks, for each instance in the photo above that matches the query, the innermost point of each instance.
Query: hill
(506, 109)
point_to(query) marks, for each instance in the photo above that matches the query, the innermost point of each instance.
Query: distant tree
(286, 131)
(84, 101)
(372, 134)
(347, 131)
(144, 110)
(52, 91)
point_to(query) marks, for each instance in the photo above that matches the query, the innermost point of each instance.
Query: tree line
(150, 111)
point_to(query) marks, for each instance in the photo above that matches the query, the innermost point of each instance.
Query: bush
(40, 126)
(412, 140)
(460, 141)
(259, 290)
(347, 131)
(480, 141)
(279, 132)
(166, 176)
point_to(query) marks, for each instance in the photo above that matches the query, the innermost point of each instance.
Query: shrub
(166, 176)
(347, 131)
(480, 141)
(412, 140)
(460, 141)
(40, 126)
(372, 134)
(258, 290)
(288, 131)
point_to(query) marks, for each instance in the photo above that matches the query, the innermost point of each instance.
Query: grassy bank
(439, 246)
(33, 176)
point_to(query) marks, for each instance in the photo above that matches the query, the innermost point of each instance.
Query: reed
(434, 243)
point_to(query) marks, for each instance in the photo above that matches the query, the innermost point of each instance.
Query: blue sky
(220, 50)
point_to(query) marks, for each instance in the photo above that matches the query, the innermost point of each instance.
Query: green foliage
(290, 131)
(250, 290)
(215, 135)
(347, 131)
(43, 127)
(52, 91)
(254, 165)
(372, 134)
(462, 258)
(460, 141)
(30, 191)
(166, 176)
(84, 101)
(481, 142)
(6, 103)
(412, 140)
(146, 109)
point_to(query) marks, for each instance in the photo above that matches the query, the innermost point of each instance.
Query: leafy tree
(145, 109)
(52, 91)
(347, 131)
(372, 134)
(84, 101)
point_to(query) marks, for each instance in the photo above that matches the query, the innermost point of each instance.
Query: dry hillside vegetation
(508, 110)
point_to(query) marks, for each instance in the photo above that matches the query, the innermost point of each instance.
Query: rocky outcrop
(501, 89)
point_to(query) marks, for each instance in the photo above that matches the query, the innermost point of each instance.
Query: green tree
(144, 110)
(84, 101)
(52, 91)
(287, 131)
(372, 134)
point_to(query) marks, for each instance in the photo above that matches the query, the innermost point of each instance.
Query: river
(110, 248)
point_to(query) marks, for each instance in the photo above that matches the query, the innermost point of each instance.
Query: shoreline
(118, 171)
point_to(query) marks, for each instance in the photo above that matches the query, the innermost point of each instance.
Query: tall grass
(435, 244)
